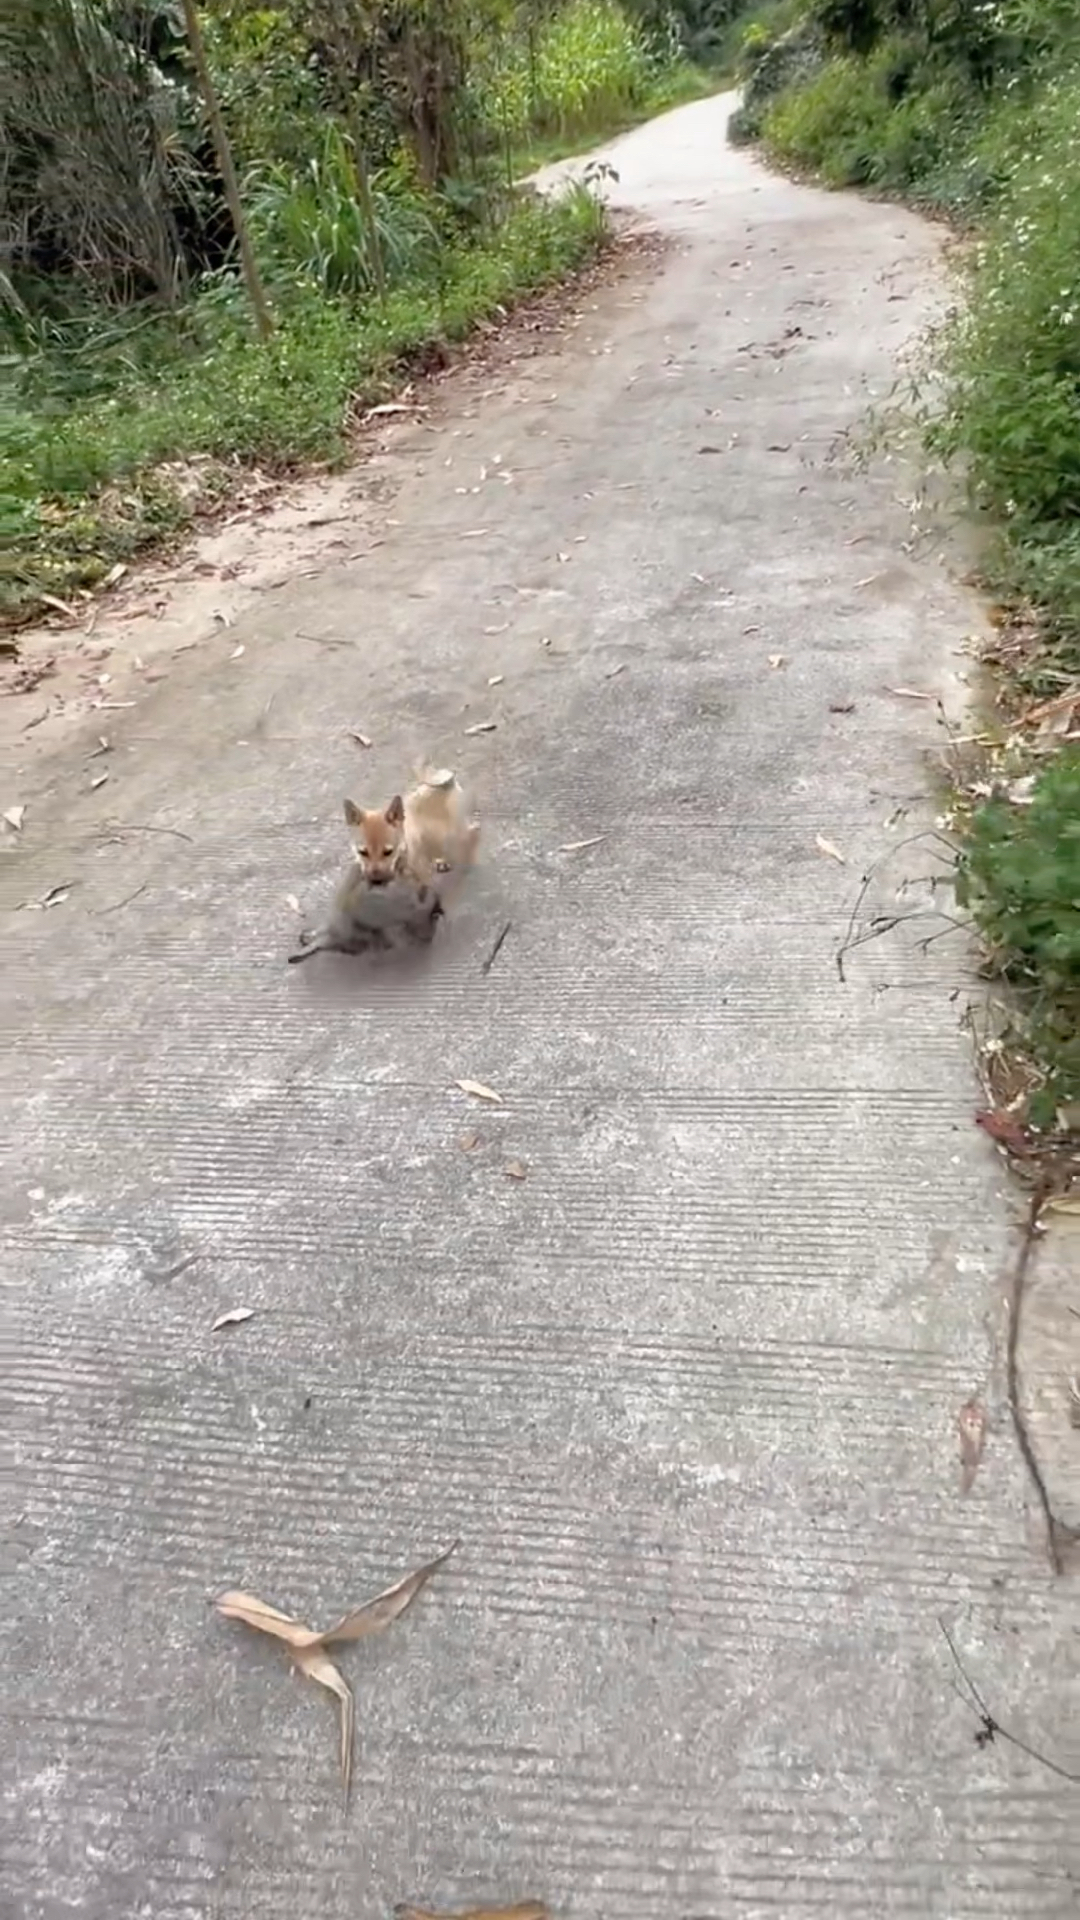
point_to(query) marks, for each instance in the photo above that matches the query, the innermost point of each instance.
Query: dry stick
(991, 1728)
(125, 902)
(848, 942)
(1014, 1302)
(253, 282)
(135, 826)
(494, 954)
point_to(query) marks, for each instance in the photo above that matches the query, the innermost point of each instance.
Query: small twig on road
(494, 954)
(173, 1273)
(1014, 1301)
(135, 826)
(125, 902)
(990, 1727)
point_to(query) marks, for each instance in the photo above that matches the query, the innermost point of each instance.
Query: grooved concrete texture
(688, 1393)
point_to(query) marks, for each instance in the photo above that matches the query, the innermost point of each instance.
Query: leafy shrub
(1020, 875)
(769, 65)
(862, 122)
(1012, 359)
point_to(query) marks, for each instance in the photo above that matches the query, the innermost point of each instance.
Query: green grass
(84, 474)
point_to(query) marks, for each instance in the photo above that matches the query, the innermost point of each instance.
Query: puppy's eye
(388, 853)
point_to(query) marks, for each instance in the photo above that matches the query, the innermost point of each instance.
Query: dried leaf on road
(516, 1170)
(496, 679)
(478, 1091)
(237, 652)
(468, 1141)
(360, 738)
(910, 693)
(234, 1318)
(525, 1910)
(317, 1665)
(828, 849)
(613, 672)
(376, 1614)
(15, 817)
(266, 1619)
(114, 575)
(579, 846)
(1068, 1203)
(292, 901)
(1005, 1129)
(308, 1649)
(53, 897)
(61, 606)
(971, 1425)
(482, 726)
(777, 660)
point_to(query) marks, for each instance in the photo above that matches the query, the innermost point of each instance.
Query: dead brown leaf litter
(308, 1647)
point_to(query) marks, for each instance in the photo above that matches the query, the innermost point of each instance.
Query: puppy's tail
(442, 777)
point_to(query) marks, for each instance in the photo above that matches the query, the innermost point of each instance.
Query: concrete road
(687, 1393)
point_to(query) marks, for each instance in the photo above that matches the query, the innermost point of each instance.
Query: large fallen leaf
(318, 1666)
(478, 1091)
(15, 817)
(525, 1910)
(308, 1649)
(376, 1614)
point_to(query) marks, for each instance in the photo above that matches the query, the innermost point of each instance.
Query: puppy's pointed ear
(395, 812)
(353, 813)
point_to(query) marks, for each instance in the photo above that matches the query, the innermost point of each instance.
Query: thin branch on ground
(990, 1728)
(135, 826)
(1055, 1528)
(125, 902)
(494, 954)
(851, 940)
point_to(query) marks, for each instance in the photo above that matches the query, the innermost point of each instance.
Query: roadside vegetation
(162, 324)
(971, 109)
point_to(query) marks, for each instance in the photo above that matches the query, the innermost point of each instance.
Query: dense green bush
(856, 123)
(775, 55)
(1020, 875)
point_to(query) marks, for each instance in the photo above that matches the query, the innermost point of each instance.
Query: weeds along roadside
(377, 179)
(974, 115)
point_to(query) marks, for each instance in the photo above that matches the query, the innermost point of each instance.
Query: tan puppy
(424, 834)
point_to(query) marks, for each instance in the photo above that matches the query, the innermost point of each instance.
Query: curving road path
(687, 1393)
